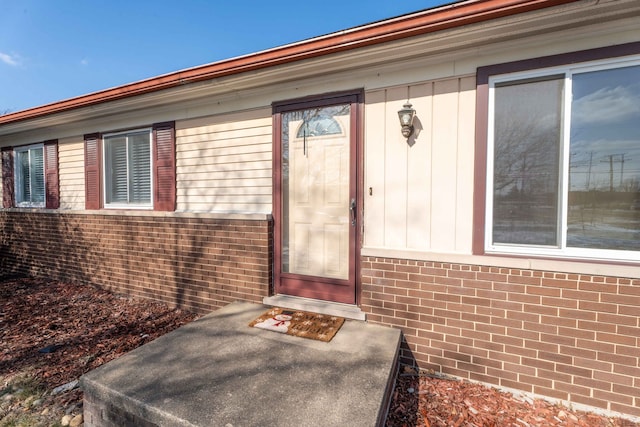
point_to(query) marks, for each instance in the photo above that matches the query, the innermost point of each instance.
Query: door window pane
(315, 192)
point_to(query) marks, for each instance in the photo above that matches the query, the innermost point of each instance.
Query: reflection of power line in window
(612, 159)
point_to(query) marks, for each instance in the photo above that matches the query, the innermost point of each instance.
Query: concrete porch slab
(217, 371)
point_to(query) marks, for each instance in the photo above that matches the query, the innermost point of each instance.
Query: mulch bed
(54, 332)
(89, 327)
(426, 399)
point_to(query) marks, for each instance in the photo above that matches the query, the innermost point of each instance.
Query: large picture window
(127, 169)
(563, 163)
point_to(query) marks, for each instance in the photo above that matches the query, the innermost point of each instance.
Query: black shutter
(51, 177)
(92, 160)
(8, 187)
(164, 165)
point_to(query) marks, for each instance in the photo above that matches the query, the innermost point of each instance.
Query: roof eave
(428, 21)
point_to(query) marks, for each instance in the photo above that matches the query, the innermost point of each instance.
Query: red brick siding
(196, 263)
(568, 336)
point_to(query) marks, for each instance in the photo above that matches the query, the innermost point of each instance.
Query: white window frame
(562, 251)
(17, 176)
(105, 137)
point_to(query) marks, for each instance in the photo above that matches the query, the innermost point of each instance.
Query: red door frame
(342, 291)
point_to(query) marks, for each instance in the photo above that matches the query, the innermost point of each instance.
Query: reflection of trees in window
(605, 160)
(319, 125)
(314, 122)
(526, 161)
(602, 204)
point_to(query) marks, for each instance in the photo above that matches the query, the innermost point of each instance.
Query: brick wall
(196, 263)
(566, 336)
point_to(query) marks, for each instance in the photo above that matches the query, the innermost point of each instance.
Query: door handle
(352, 210)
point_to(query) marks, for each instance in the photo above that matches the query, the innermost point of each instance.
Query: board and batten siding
(71, 169)
(419, 194)
(224, 163)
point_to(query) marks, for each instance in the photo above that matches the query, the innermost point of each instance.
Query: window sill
(30, 206)
(129, 207)
(579, 255)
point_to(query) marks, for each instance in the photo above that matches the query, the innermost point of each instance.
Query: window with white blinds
(127, 169)
(29, 165)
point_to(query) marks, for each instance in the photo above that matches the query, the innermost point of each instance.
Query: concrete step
(217, 371)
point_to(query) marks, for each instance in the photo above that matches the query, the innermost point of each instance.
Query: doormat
(303, 324)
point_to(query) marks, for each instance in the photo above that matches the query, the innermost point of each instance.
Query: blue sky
(55, 50)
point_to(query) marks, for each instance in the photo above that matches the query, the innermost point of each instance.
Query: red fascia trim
(428, 21)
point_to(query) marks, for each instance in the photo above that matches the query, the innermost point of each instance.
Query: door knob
(352, 210)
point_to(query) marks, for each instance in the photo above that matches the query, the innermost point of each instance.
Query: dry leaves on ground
(431, 401)
(84, 327)
(54, 332)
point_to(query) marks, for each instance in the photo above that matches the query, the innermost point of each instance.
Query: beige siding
(71, 164)
(419, 193)
(224, 163)
(465, 164)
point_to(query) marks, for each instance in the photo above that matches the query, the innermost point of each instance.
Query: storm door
(315, 198)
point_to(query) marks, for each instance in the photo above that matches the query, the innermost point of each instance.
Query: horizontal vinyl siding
(419, 195)
(224, 163)
(71, 167)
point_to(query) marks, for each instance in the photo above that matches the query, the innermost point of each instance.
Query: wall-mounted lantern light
(406, 116)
